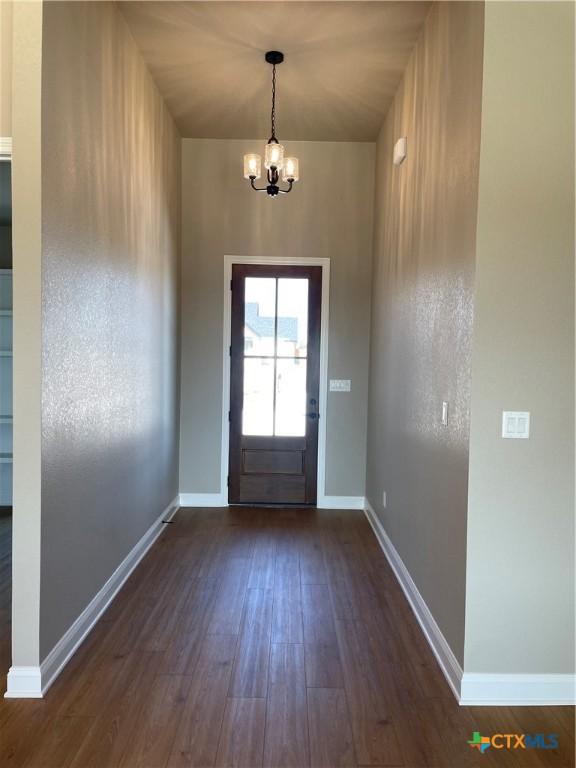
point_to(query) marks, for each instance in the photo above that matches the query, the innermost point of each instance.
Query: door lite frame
(324, 263)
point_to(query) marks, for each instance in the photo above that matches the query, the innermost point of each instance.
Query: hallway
(262, 637)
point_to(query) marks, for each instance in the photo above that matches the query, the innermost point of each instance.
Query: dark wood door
(274, 384)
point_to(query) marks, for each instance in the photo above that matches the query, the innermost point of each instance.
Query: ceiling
(343, 63)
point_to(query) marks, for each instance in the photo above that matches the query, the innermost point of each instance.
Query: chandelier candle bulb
(274, 157)
(252, 166)
(290, 169)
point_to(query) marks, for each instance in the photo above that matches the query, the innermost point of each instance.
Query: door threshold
(269, 505)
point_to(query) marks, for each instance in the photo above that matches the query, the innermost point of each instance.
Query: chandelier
(274, 160)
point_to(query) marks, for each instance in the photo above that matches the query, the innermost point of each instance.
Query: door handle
(312, 415)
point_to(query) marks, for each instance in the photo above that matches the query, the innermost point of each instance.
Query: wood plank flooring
(259, 637)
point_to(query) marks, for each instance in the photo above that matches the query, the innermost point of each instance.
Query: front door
(274, 384)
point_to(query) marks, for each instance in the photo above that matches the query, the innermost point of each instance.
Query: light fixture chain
(273, 114)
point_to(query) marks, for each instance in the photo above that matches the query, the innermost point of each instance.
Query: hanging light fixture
(274, 160)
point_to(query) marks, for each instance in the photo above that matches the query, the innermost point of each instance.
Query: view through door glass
(275, 349)
(274, 384)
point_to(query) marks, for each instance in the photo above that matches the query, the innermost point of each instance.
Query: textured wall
(520, 590)
(329, 214)
(422, 310)
(110, 232)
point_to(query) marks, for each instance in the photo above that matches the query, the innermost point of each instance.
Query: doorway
(274, 413)
(6, 418)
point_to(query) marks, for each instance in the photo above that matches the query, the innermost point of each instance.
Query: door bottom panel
(273, 488)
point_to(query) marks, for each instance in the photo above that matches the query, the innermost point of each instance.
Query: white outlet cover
(516, 425)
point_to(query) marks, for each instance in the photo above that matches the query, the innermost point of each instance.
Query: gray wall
(328, 214)
(422, 310)
(110, 180)
(520, 590)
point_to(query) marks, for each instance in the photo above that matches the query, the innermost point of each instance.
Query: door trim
(226, 336)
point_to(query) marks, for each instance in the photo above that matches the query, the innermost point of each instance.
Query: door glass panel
(275, 350)
(258, 405)
(259, 316)
(290, 398)
(292, 317)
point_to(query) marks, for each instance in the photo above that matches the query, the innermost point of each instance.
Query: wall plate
(400, 150)
(516, 425)
(444, 413)
(340, 385)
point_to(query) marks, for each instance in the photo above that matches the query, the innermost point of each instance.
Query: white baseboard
(24, 683)
(444, 656)
(221, 500)
(479, 689)
(33, 682)
(340, 502)
(203, 500)
(473, 689)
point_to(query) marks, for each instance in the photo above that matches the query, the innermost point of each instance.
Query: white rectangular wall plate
(400, 150)
(516, 425)
(444, 413)
(340, 385)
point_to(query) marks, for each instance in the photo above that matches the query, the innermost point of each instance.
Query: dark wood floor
(262, 638)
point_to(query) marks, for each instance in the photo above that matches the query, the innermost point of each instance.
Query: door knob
(312, 415)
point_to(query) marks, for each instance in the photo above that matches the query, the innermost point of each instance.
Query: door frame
(226, 341)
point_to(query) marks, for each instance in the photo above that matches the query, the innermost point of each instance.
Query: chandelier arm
(254, 187)
(277, 189)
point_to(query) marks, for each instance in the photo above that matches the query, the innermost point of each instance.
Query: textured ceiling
(343, 63)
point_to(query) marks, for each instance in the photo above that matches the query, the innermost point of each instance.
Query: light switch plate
(516, 425)
(340, 385)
